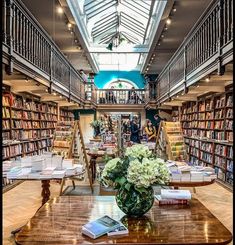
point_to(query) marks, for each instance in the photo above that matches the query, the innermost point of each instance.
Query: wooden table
(94, 156)
(60, 220)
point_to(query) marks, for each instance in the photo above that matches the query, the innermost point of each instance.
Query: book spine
(173, 202)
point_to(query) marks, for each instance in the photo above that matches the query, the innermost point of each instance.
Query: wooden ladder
(77, 130)
(84, 154)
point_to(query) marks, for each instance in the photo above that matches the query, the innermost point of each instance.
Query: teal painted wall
(104, 77)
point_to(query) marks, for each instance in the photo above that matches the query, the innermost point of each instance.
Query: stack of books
(102, 226)
(173, 197)
(14, 172)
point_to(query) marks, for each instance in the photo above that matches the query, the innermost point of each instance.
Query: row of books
(5, 112)
(220, 162)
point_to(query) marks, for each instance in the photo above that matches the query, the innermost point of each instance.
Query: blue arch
(104, 77)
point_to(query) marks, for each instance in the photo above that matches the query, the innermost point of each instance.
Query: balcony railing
(120, 96)
(25, 38)
(204, 45)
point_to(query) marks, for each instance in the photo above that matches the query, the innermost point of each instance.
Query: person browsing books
(150, 131)
(135, 137)
(158, 120)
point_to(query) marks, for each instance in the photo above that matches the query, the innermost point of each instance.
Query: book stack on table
(173, 197)
(182, 172)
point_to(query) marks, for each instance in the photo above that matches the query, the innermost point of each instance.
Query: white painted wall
(87, 130)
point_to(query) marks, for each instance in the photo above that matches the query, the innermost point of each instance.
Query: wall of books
(208, 131)
(66, 114)
(27, 125)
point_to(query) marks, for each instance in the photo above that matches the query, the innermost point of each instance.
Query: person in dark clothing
(110, 97)
(158, 119)
(135, 137)
(133, 97)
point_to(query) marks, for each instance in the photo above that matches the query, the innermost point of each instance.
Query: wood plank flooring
(20, 204)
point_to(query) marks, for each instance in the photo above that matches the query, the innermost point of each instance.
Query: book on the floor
(99, 227)
(121, 230)
(175, 194)
(162, 201)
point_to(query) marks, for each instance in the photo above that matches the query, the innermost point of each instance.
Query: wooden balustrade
(120, 96)
(26, 38)
(206, 40)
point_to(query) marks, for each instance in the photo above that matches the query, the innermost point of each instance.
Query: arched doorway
(120, 84)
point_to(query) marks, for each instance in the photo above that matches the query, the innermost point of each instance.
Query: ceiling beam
(20, 88)
(210, 88)
(126, 49)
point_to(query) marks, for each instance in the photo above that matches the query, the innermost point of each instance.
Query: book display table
(60, 221)
(94, 156)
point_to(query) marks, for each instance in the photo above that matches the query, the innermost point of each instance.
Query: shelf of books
(28, 125)
(66, 114)
(207, 127)
(170, 141)
(64, 137)
(175, 114)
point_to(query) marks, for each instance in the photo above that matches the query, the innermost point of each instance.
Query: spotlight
(162, 36)
(165, 28)
(75, 40)
(174, 9)
(69, 25)
(168, 21)
(54, 93)
(60, 10)
(207, 79)
(159, 44)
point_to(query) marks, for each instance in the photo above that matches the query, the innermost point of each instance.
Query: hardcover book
(175, 194)
(162, 201)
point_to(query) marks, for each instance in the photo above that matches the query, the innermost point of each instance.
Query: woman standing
(135, 137)
(150, 130)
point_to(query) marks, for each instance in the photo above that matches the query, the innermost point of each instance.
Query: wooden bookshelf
(207, 127)
(28, 125)
(66, 114)
(64, 138)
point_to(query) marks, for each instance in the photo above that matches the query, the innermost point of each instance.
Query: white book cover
(58, 174)
(175, 194)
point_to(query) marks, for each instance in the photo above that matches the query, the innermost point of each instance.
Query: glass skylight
(117, 26)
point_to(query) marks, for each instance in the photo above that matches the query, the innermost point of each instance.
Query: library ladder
(81, 139)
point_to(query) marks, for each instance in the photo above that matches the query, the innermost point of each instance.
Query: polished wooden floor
(20, 204)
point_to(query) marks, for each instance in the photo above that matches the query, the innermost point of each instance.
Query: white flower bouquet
(139, 168)
(133, 176)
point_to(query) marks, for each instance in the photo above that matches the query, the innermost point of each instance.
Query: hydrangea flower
(138, 168)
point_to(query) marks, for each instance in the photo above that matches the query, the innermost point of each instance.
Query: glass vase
(133, 203)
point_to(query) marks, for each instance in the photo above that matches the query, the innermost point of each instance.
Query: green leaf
(127, 186)
(120, 180)
(141, 189)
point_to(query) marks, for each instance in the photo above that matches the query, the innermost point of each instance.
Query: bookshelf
(66, 114)
(28, 125)
(207, 128)
(64, 138)
(170, 141)
(175, 114)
